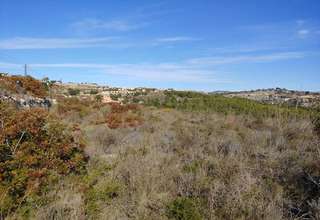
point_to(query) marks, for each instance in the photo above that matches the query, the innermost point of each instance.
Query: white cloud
(54, 43)
(196, 70)
(246, 58)
(59, 43)
(163, 72)
(173, 72)
(248, 48)
(113, 25)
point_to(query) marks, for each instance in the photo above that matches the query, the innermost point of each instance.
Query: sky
(204, 45)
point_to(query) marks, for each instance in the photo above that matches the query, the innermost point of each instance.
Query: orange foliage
(34, 146)
(70, 105)
(123, 116)
(26, 84)
(118, 108)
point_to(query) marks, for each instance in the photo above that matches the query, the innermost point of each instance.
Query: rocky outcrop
(25, 101)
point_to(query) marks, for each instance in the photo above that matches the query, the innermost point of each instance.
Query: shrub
(123, 116)
(100, 193)
(195, 102)
(98, 98)
(94, 92)
(183, 208)
(34, 148)
(73, 92)
(316, 123)
(73, 104)
(26, 84)
(115, 97)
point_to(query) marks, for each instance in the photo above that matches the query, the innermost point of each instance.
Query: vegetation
(183, 209)
(182, 155)
(35, 149)
(115, 97)
(94, 92)
(194, 101)
(73, 92)
(20, 84)
(123, 116)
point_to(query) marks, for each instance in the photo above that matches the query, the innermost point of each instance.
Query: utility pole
(25, 70)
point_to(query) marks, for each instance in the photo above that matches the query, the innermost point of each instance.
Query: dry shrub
(69, 105)
(123, 116)
(67, 205)
(118, 108)
(27, 84)
(180, 165)
(34, 149)
(232, 167)
(101, 139)
(316, 123)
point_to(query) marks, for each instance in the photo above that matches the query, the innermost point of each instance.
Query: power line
(25, 70)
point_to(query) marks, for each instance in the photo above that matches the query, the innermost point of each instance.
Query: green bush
(94, 92)
(73, 92)
(183, 208)
(195, 102)
(115, 97)
(98, 98)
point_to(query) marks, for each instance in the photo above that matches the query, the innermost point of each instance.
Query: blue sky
(199, 45)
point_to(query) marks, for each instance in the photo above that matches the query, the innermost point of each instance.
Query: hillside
(280, 96)
(97, 152)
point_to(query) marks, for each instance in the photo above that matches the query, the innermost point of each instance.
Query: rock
(25, 101)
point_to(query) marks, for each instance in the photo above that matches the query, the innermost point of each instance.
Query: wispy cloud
(159, 72)
(176, 39)
(137, 18)
(196, 70)
(248, 48)
(6, 65)
(90, 24)
(19, 43)
(303, 33)
(283, 34)
(247, 58)
(56, 43)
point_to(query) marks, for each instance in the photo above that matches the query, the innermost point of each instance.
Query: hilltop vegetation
(24, 85)
(193, 101)
(162, 155)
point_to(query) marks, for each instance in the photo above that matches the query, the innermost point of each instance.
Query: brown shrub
(34, 147)
(123, 116)
(28, 84)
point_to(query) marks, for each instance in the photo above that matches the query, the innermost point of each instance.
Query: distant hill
(279, 96)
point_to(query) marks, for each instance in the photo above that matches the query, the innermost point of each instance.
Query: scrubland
(181, 155)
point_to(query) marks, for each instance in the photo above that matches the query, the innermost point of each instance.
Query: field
(170, 155)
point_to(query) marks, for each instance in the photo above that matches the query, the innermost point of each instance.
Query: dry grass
(231, 167)
(219, 166)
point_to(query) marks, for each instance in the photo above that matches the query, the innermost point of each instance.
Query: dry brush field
(181, 156)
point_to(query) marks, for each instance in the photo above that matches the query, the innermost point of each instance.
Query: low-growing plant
(73, 92)
(183, 208)
(94, 92)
